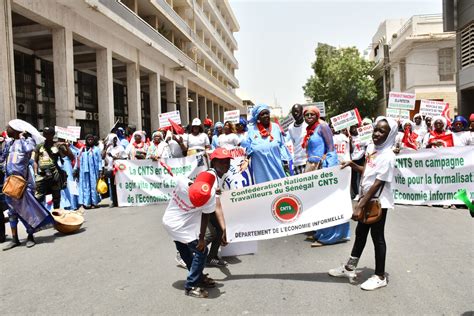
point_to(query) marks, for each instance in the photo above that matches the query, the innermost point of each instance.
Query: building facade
(417, 57)
(458, 17)
(95, 62)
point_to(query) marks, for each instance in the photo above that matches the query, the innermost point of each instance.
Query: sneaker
(342, 272)
(30, 241)
(216, 262)
(356, 198)
(180, 261)
(196, 292)
(373, 283)
(12, 244)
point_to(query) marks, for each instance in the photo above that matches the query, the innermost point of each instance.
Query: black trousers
(213, 236)
(355, 177)
(377, 231)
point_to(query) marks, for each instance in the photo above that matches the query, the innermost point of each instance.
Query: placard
(75, 130)
(345, 120)
(173, 115)
(232, 116)
(320, 105)
(249, 112)
(432, 108)
(402, 101)
(64, 133)
(365, 133)
(286, 122)
(398, 114)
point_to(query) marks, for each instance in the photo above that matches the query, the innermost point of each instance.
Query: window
(403, 75)
(446, 64)
(467, 46)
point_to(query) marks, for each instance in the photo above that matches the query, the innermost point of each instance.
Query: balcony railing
(221, 19)
(175, 16)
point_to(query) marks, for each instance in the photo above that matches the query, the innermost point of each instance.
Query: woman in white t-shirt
(228, 139)
(197, 140)
(377, 176)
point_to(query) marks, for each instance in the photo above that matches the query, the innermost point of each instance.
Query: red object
(278, 123)
(208, 122)
(445, 114)
(358, 116)
(409, 139)
(177, 129)
(168, 168)
(263, 131)
(200, 191)
(471, 117)
(446, 139)
(221, 153)
(309, 132)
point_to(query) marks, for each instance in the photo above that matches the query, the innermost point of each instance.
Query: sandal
(316, 244)
(207, 282)
(196, 292)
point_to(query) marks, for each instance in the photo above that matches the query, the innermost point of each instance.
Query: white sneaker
(180, 261)
(342, 272)
(373, 283)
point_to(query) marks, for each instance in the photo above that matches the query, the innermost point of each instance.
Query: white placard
(320, 105)
(64, 133)
(345, 120)
(432, 108)
(173, 115)
(365, 132)
(249, 112)
(398, 114)
(232, 116)
(402, 101)
(75, 130)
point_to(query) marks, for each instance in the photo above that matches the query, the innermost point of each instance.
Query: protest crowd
(66, 176)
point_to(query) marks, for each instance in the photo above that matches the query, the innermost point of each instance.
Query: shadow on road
(213, 292)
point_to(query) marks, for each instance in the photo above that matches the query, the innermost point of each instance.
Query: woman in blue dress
(321, 153)
(90, 170)
(17, 153)
(218, 129)
(265, 147)
(69, 201)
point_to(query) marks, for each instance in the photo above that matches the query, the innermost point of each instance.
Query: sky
(277, 39)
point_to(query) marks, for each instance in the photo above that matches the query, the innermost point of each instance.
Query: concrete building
(458, 16)
(421, 60)
(93, 62)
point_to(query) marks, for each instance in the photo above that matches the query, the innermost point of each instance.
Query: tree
(343, 80)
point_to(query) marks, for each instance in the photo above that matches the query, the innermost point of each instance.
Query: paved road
(123, 263)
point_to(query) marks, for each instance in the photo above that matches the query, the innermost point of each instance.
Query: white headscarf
(390, 141)
(109, 140)
(407, 121)
(439, 118)
(22, 126)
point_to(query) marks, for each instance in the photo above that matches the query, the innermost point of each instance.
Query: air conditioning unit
(96, 116)
(89, 116)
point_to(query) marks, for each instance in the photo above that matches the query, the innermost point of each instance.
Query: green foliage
(343, 80)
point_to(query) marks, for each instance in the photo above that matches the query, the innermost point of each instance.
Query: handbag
(14, 186)
(372, 212)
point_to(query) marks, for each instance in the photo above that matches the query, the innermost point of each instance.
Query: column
(210, 112)
(7, 71)
(170, 96)
(216, 112)
(64, 89)
(105, 91)
(202, 108)
(184, 105)
(221, 113)
(155, 99)
(133, 96)
(194, 107)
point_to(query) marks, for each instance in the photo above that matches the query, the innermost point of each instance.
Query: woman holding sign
(321, 153)
(377, 176)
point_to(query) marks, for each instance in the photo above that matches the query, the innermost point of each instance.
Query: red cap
(208, 122)
(471, 117)
(221, 153)
(200, 191)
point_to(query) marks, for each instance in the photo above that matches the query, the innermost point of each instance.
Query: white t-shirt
(341, 144)
(182, 220)
(196, 142)
(358, 148)
(462, 138)
(379, 165)
(296, 136)
(229, 141)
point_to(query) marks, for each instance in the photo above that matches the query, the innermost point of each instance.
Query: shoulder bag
(14, 186)
(372, 212)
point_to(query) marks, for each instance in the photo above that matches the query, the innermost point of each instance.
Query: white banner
(288, 206)
(432, 108)
(402, 101)
(433, 176)
(173, 115)
(232, 116)
(146, 182)
(398, 114)
(345, 120)
(320, 105)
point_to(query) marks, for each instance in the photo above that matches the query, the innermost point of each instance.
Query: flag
(177, 129)
(409, 139)
(356, 110)
(445, 114)
(445, 139)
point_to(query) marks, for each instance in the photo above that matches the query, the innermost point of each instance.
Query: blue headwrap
(256, 112)
(218, 124)
(243, 122)
(459, 118)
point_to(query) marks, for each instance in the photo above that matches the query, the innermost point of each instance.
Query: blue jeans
(195, 262)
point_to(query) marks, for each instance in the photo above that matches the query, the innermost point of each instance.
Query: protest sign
(146, 182)
(433, 176)
(320, 105)
(75, 130)
(365, 133)
(398, 114)
(345, 120)
(64, 133)
(173, 115)
(288, 206)
(286, 122)
(249, 112)
(402, 101)
(432, 108)
(232, 116)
